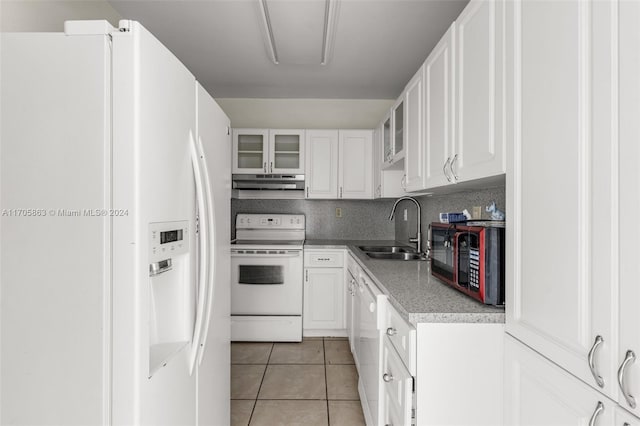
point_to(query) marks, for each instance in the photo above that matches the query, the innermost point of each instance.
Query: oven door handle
(241, 283)
(266, 255)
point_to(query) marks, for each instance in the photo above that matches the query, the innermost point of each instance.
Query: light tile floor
(308, 383)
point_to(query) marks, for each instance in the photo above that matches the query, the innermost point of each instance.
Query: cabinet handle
(264, 167)
(307, 192)
(594, 372)
(444, 169)
(629, 358)
(387, 377)
(391, 331)
(403, 182)
(599, 409)
(306, 275)
(455, 176)
(340, 192)
(271, 167)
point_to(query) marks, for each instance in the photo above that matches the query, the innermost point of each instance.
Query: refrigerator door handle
(210, 219)
(204, 254)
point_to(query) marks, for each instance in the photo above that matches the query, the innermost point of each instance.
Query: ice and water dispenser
(170, 307)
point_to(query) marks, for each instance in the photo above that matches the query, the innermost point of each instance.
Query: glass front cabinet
(268, 151)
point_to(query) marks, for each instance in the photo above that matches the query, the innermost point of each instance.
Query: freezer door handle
(204, 252)
(210, 219)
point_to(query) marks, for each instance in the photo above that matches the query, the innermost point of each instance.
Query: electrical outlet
(338, 212)
(406, 216)
(476, 212)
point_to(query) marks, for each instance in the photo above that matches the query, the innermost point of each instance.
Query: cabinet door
(629, 179)
(250, 151)
(623, 418)
(413, 135)
(397, 129)
(479, 150)
(286, 151)
(538, 392)
(323, 299)
(561, 273)
(397, 388)
(355, 158)
(321, 164)
(438, 112)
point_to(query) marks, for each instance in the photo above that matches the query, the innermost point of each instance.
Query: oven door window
(261, 274)
(442, 252)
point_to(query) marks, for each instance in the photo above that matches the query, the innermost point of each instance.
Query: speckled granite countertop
(412, 290)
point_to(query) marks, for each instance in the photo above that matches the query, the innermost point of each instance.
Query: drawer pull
(387, 377)
(629, 358)
(594, 372)
(596, 413)
(391, 331)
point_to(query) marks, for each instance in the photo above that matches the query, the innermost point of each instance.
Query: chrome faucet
(418, 238)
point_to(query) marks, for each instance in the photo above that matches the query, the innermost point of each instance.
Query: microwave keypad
(474, 270)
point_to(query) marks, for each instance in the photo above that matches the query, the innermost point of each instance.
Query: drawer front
(397, 387)
(322, 258)
(402, 336)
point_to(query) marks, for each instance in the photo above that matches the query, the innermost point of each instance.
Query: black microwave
(470, 258)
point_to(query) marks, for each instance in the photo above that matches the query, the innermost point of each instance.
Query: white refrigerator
(115, 190)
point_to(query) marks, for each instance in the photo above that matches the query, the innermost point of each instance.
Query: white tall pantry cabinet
(573, 102)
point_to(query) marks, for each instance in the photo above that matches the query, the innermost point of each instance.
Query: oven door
(266, 282)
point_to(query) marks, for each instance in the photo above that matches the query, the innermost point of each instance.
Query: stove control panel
(270, 221)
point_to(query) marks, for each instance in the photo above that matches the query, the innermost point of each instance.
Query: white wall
(305, 113)
(49, 15)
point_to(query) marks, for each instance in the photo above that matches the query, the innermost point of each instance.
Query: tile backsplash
(432, 206)
(361, 219)
(368, 219)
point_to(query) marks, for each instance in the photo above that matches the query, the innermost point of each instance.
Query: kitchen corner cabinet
(413, 133)
(538, 392)
(569, 290)
(387, 183)
(324, 294)
(339, 164)
(273, 151)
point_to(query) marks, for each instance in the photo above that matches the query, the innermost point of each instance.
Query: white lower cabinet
(397, 388)
(538, 392)
(323, 312)
(459, 376)
(624, 418)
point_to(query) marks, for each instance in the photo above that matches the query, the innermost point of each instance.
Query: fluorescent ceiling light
(299, 32)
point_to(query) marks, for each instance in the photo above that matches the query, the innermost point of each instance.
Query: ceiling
(377, 45)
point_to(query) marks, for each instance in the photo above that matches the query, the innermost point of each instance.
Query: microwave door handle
(204, 255)
(211, 249)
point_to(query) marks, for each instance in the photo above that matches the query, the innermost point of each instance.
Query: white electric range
(267, 278)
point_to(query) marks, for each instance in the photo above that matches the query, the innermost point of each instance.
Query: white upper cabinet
(250, 151)
(339, 164)
(413, 134)
(439, 112)
(479, 142)
(563, 186)
(397, 129)
(627, 178)
(321, 164)
(286, 151)
(260, 151)
(355, 157)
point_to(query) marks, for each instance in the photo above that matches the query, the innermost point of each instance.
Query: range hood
(277, 182)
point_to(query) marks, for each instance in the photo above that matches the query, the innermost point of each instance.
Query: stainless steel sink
(387, 249)
(397, 256)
